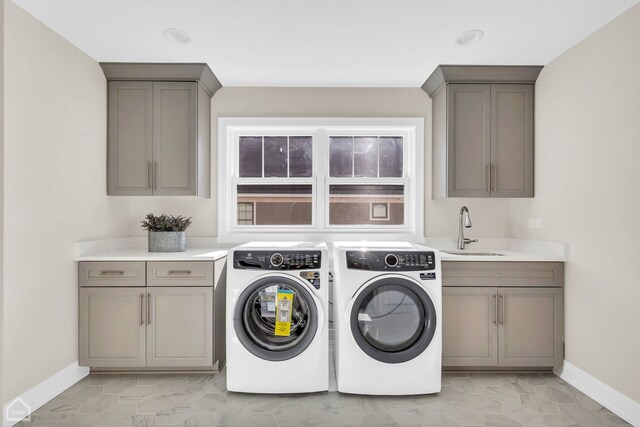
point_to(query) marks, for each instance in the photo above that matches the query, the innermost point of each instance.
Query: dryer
(277, 328)
(387, 318)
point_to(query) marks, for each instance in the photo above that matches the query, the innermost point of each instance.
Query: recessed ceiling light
(469, 37)
(176, 35)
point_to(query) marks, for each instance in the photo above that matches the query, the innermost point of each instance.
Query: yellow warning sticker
(283, 312)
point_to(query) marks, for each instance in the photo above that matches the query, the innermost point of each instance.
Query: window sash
(409, 129)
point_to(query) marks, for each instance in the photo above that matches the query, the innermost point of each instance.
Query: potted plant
(166, 232)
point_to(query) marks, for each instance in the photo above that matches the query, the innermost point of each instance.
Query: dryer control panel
(391, 261)
(277, 260)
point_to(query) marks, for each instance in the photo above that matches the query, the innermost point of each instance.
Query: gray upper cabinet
(468, 154)
(175, 152)
(130, 145)
(511, 140)
(159, 131)
(482, 130)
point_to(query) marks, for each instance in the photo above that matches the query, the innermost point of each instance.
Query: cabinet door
(180, 327)
(469, 132)
(130, 138)
(469, 327)
(530, 326)
(174, 138)
(111, 327)
(511, 140)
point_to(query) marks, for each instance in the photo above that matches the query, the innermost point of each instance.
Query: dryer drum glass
(391, 318)
(259, 319)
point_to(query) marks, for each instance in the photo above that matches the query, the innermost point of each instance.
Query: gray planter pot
(167, 241)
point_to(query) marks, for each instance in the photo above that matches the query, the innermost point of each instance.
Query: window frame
(320, 130)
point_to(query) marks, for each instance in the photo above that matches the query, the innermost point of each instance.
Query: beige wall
(55, 178)
(1, 185)
(588, 194)
(490, 217)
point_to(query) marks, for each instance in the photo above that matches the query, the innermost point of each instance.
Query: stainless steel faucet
(465, 222)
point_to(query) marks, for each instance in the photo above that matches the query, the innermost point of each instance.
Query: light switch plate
(535, 223)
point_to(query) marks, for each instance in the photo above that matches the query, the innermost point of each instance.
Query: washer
(296, 360)
(387, 319)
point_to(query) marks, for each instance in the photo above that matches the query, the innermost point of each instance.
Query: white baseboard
(48, 389)
(621, 405)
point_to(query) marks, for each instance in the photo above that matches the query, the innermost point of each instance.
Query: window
(245, 212)
(300, 176)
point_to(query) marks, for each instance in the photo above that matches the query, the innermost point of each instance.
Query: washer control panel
(277, 260)
(391, 261)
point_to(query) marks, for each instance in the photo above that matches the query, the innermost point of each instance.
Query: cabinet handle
(111, 273)
(487, 178)
(502, 309)
(494, 176)
(180, 272)
(148, 308)
(149, 174)
(495, 309)
(141, 309)
(155, 174)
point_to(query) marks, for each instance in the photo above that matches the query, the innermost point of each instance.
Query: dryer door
(255, 318)
(393, 319)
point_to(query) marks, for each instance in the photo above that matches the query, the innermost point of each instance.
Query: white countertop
(135, 249)
(505, 248)
(207, 249)
(200, 254)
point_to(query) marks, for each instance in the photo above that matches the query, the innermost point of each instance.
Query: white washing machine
(387, 318)
(277, 318)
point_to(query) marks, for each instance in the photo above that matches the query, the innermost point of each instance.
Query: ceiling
(360, 43)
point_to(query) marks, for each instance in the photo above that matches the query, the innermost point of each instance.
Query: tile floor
(200, 400)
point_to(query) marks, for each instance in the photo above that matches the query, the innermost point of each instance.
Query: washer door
(393, 319)
(254, 319)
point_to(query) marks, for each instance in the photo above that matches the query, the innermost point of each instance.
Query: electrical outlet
(535, 223)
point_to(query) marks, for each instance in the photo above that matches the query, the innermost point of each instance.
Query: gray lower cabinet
(180, 327)
(483, 136)
(159, 129)
(112, 327)
(530, 329)
(469, 332)
(173, 324)
(518, 324)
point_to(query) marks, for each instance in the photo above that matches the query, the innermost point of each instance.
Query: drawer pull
(112, 273)
(180, 272)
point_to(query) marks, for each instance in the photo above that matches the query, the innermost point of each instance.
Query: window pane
(341, 156)
(391, 156)
(365, 156)
(363, 204)
(250, 159)
(245, 213)
(300, 156)
(278, 204)
(275, 156)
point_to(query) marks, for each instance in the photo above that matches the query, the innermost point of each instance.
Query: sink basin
(476, 253)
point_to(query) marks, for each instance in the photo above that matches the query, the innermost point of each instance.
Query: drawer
(180, 273)
(111, 273)
(502, 273)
